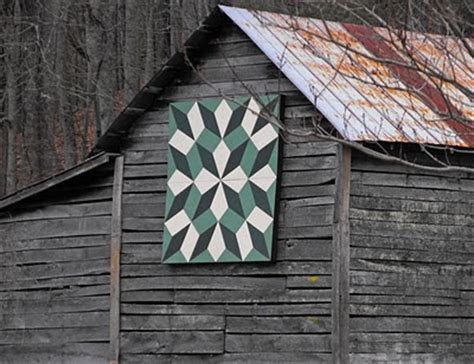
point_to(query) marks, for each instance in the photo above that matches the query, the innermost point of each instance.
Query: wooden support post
(340, 259)
(115, 247)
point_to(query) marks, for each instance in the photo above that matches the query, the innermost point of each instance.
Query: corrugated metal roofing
(363, 82)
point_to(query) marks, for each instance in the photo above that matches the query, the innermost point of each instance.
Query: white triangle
(216, 245)
(195, 120)
(205, 180)
(219, 203)
(177, 223)
(178, 182)
(245, 240)
(264, 136)
(181, 142)
(236, 179)
(221, 156)
(189, 242)
(264, 178)
(223, 114)
(251, 116)
(260, 219)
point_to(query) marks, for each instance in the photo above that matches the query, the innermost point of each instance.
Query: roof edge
(31, 190)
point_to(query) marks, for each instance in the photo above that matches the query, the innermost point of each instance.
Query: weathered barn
(372, 260)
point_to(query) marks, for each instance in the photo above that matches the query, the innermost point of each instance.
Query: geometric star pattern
(222, 181)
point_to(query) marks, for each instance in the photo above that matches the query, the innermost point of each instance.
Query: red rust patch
(426, 91)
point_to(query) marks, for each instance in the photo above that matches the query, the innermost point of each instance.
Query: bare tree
(68, 67)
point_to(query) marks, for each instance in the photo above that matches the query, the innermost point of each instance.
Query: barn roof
(372, 83)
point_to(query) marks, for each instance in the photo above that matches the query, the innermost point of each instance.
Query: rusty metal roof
(372, 83)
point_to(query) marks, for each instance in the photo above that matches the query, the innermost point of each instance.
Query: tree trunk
(131, 57)
(60, 11)
(11, 60)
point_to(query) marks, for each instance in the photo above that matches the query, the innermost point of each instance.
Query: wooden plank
(243, 343)
(411, 358)
(198, 322)
(230, 358)
(413, 255)
(55, 228)
(53, 320)
(402, 217)
(55, 283)
(86, 166)
(412, 310)
(255, 296)
(71, 254)
(90, 353)
(48, 212)
(398, 204)
(54, 243)
(445, 325)
(115, 247)
(341, 257)
(200, 273)
(54, 305)
(56, 336)
(260, 310)
(411, 230)
(186, 342)
(202, 283)
(278, 325)
(408, 193)
(421, 244)
(25, 276)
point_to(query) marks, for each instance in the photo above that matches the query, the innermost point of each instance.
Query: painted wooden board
(222, 180)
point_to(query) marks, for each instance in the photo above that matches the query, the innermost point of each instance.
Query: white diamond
(264, 178)
(216, 245)
(177, 223)
(189, 242)
(205, 180)
(264, 136)
(178, 182)
(219, 203)
(195, 120)
(251, 116)
(223, 114)
(245, 240)
(236, 179)
(259, 219)
(221, 156)
(181, 142)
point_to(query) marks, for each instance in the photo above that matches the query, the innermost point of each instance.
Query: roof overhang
(86, 166)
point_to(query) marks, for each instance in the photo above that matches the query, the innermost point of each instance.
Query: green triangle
(204, 257)
(228, 256)
(183, 106)
(212, 103)
(176, 258)
(256, 256)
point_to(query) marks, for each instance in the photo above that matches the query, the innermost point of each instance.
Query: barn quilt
(222, 181)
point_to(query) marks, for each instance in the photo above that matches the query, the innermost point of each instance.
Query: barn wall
(54, 274)
(412, 254)
(242, 312)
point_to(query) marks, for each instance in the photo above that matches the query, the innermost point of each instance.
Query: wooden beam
(115, 247)
(86, 166)
(341, 258)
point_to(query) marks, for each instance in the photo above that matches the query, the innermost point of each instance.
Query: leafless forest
(67, 67)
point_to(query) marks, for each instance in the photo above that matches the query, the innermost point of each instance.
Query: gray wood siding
(232, 312)
(54, 274)
(412, 254)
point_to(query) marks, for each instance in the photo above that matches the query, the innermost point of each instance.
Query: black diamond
(175, 243)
